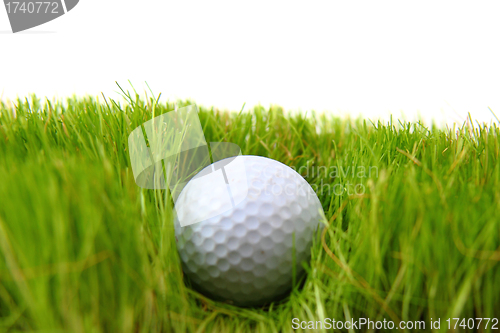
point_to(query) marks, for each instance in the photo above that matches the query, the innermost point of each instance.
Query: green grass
(84, 249)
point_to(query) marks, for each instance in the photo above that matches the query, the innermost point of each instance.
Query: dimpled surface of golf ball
(244, 255)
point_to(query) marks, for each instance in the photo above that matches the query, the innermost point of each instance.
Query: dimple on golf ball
(245, 255)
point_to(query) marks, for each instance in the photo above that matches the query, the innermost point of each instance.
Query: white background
(436, 59)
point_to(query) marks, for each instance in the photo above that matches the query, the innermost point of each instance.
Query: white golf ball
(245, 255)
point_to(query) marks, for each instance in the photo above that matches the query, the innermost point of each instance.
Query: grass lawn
(84, 249)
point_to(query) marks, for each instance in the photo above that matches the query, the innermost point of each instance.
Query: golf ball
(247, 254)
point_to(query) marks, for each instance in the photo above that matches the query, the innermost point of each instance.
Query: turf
(84, 249)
